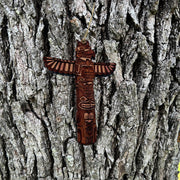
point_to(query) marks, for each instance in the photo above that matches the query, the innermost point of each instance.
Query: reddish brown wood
(178, 140)
(85, 71)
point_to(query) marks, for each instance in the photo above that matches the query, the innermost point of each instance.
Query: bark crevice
(34, 174)
(8, 115)
(106, 33)
(7, 63)
(48, 145)
(6, 174)
(101, 110)
(45, 31)
(116, 157)
(37, 7)
(83, 158)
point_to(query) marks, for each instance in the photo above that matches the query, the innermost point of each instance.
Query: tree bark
(137, 108)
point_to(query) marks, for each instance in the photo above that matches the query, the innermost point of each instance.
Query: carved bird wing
(59, 66)
(104, 69)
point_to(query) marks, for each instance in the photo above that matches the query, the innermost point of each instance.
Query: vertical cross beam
(85, 71)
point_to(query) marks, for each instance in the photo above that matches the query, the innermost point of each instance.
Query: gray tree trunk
(137, 108)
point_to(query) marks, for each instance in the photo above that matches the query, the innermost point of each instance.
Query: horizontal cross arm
(104, 69)
(59, 66)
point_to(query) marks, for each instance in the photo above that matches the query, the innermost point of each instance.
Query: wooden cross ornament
(85, 71)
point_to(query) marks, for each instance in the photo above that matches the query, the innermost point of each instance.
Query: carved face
(84, 50)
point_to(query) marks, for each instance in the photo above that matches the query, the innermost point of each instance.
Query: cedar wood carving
(85, 71)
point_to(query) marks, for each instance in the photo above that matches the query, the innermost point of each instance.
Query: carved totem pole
(85, 71)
